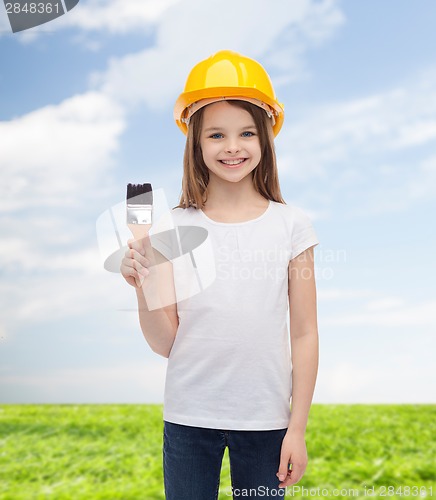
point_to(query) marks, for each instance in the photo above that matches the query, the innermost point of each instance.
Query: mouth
(233, 163)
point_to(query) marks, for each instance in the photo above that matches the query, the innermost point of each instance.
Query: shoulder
(172, 218)
(179, 215)
(184, 216)
(290, 212)
(301, 229)
(178, 211)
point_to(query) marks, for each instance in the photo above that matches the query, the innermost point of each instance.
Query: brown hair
(196, 174)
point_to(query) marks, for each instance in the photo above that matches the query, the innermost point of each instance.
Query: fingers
(283, 471)
(290, 476)
(293, 452)
(141, 246)
(130, 273)
(134, 266)
(134, 255)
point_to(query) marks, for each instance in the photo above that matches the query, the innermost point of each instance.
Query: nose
(232, 146)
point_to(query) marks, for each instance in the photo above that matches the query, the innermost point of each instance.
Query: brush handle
(140, 231)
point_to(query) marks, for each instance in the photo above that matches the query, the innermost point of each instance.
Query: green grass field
(115, 452)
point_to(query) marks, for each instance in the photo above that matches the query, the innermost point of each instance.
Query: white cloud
(423, 185)
(371, 307)
(402, 381)
(3, 335)
(50, 156)
(192, 30)
(375, 348)
(23, 254)
(390, 312)
(117, 16)
(55, 163)
(96, 16)
(343, 294)
(132, 383)
(333, 133)
(386, 303)
(373, 364)
(62, 292)
(181, 23)
(345, 380)
(341, 144)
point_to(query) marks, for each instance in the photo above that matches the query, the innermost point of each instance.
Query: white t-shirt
(230, 364)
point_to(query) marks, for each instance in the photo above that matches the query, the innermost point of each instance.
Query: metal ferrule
(139, 214)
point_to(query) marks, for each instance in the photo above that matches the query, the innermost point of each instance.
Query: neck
(228, 195)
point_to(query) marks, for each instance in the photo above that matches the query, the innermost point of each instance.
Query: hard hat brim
(187, 98)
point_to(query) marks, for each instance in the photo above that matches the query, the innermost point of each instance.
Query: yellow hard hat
(227, 75)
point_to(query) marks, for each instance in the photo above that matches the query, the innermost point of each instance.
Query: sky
(86, 106)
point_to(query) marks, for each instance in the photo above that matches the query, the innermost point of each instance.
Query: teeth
(233, 162)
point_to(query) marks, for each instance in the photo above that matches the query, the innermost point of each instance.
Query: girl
(230, 377)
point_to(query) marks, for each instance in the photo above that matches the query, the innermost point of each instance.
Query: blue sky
(86, 107)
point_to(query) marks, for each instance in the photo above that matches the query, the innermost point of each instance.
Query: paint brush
(139, 205)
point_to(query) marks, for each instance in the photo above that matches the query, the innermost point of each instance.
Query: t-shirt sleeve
(303, 233)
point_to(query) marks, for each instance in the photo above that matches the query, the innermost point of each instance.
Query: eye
(247, 134)
(216, 136)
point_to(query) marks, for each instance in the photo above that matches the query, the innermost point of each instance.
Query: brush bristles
(139, 194)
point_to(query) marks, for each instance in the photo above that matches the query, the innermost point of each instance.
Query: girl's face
(229, 142)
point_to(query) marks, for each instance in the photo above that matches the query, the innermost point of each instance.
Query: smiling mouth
(233, 163)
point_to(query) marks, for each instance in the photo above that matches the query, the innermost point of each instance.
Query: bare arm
(152, 276)
(304, 344)
(304, 337)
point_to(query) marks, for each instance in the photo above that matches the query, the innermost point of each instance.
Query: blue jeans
(192, 458)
